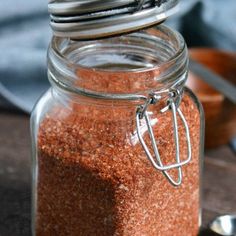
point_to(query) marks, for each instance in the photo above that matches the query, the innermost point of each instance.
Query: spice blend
(94, 177)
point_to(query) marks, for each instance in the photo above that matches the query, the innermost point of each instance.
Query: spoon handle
(214, 80)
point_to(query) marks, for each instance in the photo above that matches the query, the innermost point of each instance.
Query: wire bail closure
(153, 3)
(173, 101)
(173, 105)
(140, 5)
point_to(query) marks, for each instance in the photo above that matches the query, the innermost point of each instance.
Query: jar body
(92, 176)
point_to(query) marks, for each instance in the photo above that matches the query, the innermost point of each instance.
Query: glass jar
(113, 138)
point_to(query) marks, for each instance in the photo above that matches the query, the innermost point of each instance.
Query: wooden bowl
(220, 113)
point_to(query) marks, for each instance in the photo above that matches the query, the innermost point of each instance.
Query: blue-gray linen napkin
(25, 35)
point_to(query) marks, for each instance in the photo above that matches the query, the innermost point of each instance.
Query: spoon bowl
(224, 225)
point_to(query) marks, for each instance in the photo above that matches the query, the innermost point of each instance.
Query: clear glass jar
(91, 172)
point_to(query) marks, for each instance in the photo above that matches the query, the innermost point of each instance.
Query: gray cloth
(24, 38)
(25, 35)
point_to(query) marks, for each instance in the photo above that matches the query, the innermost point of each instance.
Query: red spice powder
(94, 181)
(94, 177)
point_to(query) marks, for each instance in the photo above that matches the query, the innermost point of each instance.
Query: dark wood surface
(219, 179)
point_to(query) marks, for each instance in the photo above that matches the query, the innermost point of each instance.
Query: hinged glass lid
(92, 19)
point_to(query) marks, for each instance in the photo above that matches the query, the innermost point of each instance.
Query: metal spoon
(214, 80)
(224, 225)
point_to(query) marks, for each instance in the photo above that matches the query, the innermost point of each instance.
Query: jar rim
(161, 61)
(56, 42)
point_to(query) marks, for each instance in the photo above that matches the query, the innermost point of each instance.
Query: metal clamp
(140, 5)
(152, 3)
(156, 161)
(173, 100)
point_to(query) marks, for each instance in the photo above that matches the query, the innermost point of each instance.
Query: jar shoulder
(49, 104)
(42, 106)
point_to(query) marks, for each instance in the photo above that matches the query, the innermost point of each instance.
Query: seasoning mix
(92, 175)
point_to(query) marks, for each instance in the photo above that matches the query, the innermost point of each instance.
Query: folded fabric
(24, 38)
(25, 35)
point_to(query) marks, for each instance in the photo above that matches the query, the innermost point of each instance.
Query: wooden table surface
(219, 180)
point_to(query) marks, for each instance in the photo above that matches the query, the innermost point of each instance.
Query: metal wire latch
(173, 105)
(173, 101)
(154, 3)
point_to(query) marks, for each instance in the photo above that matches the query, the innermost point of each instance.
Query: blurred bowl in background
(220, 113)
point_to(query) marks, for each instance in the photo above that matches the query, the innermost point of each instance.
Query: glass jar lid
(93, 19)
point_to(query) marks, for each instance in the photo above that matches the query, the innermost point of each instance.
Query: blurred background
(209, 28)
(25, 35)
